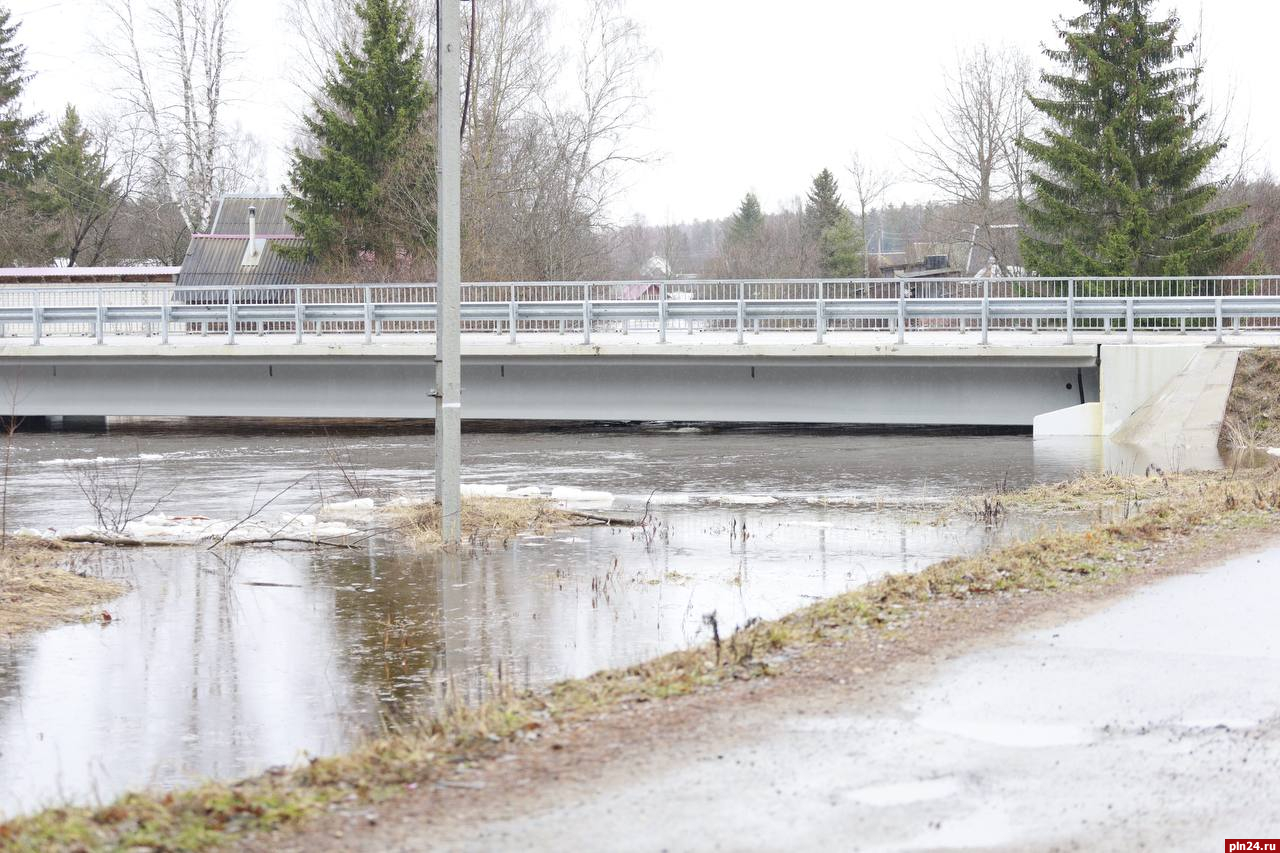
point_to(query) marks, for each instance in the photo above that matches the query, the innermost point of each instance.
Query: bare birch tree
(174, 56)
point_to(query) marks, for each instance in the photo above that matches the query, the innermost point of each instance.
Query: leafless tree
(869, 186)
(321, 27)
(112, 488)
(969, 153)
(175, 57)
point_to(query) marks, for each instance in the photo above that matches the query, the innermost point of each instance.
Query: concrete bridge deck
(779, 378)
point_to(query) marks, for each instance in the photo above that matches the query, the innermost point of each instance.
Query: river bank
(39, 587)
(1177, 519)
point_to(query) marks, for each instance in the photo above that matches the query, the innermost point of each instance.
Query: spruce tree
(840, 248)
(748, 223)
(19, 152)
(369, 107)
(1118, 177)
(824, 206)
(75, 191)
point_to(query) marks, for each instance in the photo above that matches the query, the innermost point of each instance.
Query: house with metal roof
(242, 246)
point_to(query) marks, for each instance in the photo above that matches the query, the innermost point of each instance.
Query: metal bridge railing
(812, 306)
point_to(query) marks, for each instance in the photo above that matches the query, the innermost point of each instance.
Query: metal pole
(986, 309)
(448, 360)
(586, 313)
(1128, 320)
(512, 314)
(297, 315)
(37, 319)
(164, 316)
(902, 311)
(1217, 316)
(662, 312)
(820, 314)
(368, 315)
(231, 316)
(742, 309)
(99, 321)
(1071, 311)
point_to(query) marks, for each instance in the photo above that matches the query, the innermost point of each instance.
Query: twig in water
(255, 511)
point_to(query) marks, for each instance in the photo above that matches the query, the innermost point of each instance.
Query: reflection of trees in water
(413, 625)
(387, 612)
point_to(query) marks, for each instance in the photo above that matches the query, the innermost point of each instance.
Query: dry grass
(1252, 421)
(1176, 512)
(37, 590)
(485, 520)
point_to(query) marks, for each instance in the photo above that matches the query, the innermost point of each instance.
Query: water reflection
(222, 665)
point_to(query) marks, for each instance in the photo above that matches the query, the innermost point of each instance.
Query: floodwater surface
(223, 663)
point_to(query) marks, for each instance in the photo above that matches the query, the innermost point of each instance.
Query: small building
(242, 248)
(16, 277)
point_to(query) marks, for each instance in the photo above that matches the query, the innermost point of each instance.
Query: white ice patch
(743, 500)
(1273, 451)
(484, 490)
(98, 460)
(527, 492)
(193, 530)
(665, 500)
(357, 505)
(569, 494)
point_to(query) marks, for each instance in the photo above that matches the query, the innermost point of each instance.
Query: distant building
(242, 246)
(18, 276)
(656, 268)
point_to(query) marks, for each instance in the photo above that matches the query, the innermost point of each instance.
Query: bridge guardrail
(742, 307)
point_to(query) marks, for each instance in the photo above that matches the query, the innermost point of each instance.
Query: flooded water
(222, 664)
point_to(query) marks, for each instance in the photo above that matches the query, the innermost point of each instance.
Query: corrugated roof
(215, 261)
(232, 215)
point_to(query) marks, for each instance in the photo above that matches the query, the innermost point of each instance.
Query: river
(221, 664)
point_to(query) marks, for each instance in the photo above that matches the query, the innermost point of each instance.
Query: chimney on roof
(253, 251)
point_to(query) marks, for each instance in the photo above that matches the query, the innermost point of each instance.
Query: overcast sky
(746, 95)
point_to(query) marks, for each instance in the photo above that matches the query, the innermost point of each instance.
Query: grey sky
(746, 94)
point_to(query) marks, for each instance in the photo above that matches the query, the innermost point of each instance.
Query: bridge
(1075, 356)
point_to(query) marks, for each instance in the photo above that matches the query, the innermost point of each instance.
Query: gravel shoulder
(1138, 711)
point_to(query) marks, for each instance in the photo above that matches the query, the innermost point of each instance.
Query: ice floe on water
(71, 463)
(743, 500)
(358, 506)
(574, 495)
(161, 529)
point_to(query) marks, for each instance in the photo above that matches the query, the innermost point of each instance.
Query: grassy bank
(39, 590)
(485, 520)
(1252, 421)
(1172, 516)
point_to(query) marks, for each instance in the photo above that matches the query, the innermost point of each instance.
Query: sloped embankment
(1252, 421)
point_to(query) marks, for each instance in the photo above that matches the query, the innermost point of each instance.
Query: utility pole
(448, 425)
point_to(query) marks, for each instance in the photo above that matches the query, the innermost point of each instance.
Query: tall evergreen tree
(1118, 177)
(823, 207)
(369, 107)
(76, 192)
(19, 152)
(840, 248)
(748, 222)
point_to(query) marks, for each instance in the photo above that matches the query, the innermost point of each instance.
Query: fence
(818, 307)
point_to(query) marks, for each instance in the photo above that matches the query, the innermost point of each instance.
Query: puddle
(904, 793)
(1007, 732)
